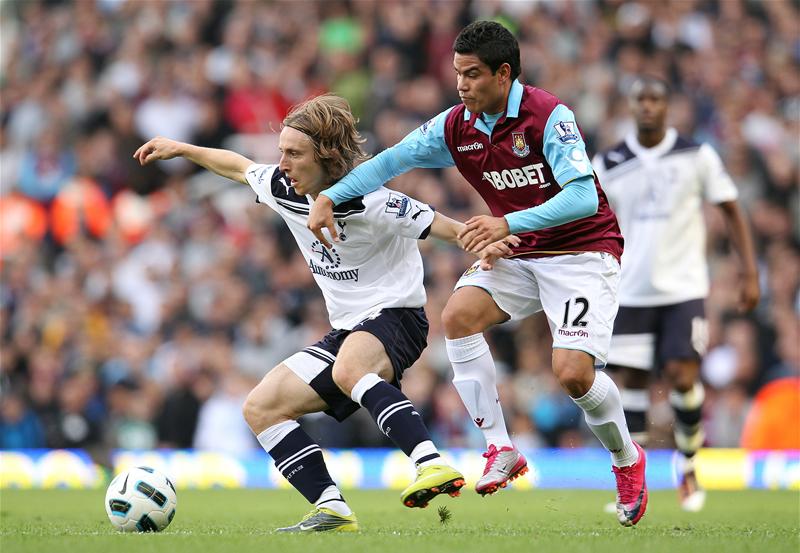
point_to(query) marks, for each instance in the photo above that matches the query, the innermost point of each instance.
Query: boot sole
(421, 498)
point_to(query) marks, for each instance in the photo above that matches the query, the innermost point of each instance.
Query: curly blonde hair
(331, 126)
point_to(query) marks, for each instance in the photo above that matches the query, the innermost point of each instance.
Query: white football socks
(272, 436)
(474, 376)
(602, 408)
(426, 450)
(332, 499)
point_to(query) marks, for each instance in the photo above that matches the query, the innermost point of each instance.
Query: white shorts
(578, 293)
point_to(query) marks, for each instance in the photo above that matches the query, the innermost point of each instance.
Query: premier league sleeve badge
(566, 132)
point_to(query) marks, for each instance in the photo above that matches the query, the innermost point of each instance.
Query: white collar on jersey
(656, 151)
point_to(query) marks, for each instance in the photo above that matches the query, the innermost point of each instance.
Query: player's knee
(681, 374)
(261, 411)
(345, 377)
(575, 379)
(252, 410)
(459, 321)
(574, 370)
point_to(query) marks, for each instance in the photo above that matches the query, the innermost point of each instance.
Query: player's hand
(749, 294)
(482, 230)
(320, 217)
(497, 250)
(157, 148)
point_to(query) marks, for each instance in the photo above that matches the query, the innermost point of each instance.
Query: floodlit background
(138, 306)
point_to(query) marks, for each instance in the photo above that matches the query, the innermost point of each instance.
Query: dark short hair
(643, 81)
(492, 43)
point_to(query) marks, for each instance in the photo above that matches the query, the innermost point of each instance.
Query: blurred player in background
(657, 182)
(372, 284)
(521, 149)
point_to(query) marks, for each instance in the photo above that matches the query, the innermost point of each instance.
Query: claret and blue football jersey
(516, 162)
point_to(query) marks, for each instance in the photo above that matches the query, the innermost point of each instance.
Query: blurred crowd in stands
(138, 306)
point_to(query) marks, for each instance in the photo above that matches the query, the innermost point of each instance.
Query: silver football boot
(502, 466)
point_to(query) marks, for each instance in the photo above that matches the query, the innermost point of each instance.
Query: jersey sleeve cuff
(568, 176)
(332, 196)
(515, 223)
(723, 198)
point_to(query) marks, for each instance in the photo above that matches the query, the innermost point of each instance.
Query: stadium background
(139, 305)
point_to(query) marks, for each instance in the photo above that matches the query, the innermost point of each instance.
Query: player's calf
(689, 438)
(299, 459)
(396, 417)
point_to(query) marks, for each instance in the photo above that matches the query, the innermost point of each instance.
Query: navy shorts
(648, 337)
(403, 333)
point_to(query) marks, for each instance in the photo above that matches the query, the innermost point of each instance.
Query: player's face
(479, 89)
(298, 162)
(649, 106)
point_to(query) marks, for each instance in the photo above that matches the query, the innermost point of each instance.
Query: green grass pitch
(540, 521)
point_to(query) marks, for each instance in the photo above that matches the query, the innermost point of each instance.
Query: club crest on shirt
(398, 204)
(473, 269)
(342, 225)
(566, 132)
(518, 144)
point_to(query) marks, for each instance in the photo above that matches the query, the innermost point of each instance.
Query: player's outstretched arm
(222, 162)
(743, 242)
(362, 180)
(577, 200)
(424, 147)
(445, 228)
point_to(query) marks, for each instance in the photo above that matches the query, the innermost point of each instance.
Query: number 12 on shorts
(581, 307)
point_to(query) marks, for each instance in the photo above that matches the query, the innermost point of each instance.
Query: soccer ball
(141, 500)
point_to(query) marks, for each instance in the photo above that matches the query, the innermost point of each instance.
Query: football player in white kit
(372, 284)
(657, 182)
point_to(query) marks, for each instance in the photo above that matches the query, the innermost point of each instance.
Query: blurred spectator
(19, 426)
(220, 425)
(46, 169)
(166, 295)
(177, 422)
(129, 412)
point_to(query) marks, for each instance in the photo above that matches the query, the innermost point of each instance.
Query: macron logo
(573, 333)
(470, 147)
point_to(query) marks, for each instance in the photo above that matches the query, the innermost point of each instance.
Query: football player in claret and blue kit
(372, 285)
(521, 149)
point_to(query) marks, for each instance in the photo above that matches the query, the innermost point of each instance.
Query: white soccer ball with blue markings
(141, 500)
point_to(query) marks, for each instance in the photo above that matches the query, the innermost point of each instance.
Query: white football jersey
(657, 194)
(375, 265)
